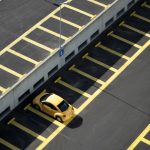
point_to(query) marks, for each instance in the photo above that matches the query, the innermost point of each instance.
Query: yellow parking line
(146, 141)
(52, 32)
(38, 44)
(93, 96)
(2, 89)
(11, 71)
(112, 78)
(25, 129)
(134, 29)
(98, 3)
(140, 138)
(72, 87)
(80, 11)
(28, 107)
(140, 17)
(145, 5)
(67, 22)
(123, 39)
(86, 74)
(99, 63)
(9, 145)
(30, 30)
(111, 51)
(22, 56)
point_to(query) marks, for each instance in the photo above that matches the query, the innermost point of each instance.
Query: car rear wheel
(59, 119)
(37, 106)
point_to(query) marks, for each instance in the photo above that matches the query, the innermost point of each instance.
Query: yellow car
(54, 106)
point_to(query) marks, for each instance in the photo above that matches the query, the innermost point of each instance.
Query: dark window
(50, 105)
(130, 4)
(63, 106)
(94, 35)
(82, 45)
(109, 22)
(53, 71)
(5, 112)
(37, 84)
(44, 97)
(120, 12)
(24, 95)
(69, 56)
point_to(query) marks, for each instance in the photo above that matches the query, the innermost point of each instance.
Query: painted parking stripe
(59, 80)
(42, 115)
(9, 145)
(22, 56)
(73, 68)
(98, 3)
(123, 39)
(11, 71)
(140, 17)
(30, 30)
(53, 33)
(99, 91)
(134, 29)
(25, 129)
(67, 22)
(140, 138)
(145, 5)
(99, 63)
(111, 51)
(38, 44)
(80, 11)
(2, 89)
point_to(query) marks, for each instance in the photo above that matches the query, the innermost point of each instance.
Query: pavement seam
(123, 101)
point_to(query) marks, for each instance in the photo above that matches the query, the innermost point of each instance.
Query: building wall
(22, 89)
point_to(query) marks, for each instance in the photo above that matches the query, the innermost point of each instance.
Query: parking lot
(42, 38)
(79, 82)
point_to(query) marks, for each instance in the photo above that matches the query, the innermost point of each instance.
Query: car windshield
(44, 97)
(63, 106)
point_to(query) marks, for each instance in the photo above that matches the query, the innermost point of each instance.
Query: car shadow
(76, 122)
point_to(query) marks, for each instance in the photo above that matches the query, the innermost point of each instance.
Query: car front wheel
(59, 119)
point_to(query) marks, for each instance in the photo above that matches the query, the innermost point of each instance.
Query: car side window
(51, 106)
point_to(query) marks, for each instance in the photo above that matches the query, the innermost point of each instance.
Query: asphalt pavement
(108, 85)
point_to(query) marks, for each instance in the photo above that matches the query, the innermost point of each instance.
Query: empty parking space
(87, 6)
(17, 137)
(9, 79)
(30, 50)
(36, 123)
(72, 16)
(143, 11)
(119, 46)
(94, 69)
(131, 35)
(77, 83)
(45, 38)
(15, 63)
(138, 23)
(54, 25)
(106, 2)
(107, 57)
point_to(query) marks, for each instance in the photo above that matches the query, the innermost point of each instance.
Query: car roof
(54, 99)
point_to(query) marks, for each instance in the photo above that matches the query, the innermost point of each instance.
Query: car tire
(37, 106)
(59, 119)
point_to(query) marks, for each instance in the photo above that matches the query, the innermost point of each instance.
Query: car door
(49, 109)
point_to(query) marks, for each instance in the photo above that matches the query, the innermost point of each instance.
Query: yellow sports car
(53, 105)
